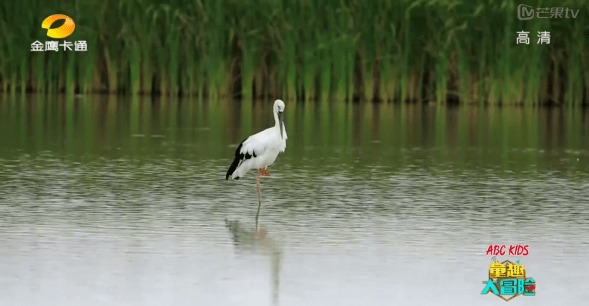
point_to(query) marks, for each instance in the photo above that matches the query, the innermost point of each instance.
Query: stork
(260, 150)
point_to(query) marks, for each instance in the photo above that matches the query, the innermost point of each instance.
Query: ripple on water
(180, 218)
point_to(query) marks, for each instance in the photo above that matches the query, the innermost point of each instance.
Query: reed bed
(406, 50)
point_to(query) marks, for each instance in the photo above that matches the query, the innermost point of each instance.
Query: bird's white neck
(276, 120)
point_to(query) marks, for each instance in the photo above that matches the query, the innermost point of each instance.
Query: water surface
(120, 201)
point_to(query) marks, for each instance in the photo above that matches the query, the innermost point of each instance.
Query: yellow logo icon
(61, 32)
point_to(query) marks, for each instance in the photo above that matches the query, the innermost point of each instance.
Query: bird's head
(279, 106)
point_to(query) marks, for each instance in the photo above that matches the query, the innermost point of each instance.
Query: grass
(301, 50)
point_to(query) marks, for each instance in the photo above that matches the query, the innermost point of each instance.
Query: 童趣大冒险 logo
(508, 279)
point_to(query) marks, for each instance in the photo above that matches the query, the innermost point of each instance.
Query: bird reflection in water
(257, 241)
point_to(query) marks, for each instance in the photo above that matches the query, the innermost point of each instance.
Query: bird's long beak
(281, 122)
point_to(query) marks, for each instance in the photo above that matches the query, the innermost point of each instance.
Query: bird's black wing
(239, 158)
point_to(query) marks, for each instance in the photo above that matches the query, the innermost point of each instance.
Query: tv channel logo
(525, 12)
(528, 12)
(65, 30)
(60, 32)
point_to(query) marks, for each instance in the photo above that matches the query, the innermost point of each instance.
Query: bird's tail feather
(235, 162)
(232, 168)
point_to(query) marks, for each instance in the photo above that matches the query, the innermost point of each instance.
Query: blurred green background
(301, 50)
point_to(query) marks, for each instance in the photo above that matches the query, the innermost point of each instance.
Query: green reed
(301, 50)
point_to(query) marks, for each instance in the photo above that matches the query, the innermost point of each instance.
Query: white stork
(260, 150)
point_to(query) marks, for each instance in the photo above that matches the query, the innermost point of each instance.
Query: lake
(123, 201)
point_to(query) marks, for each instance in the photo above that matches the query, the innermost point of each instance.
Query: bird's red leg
(264, 172)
